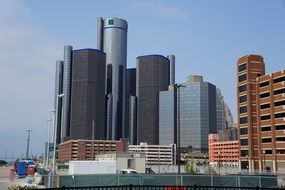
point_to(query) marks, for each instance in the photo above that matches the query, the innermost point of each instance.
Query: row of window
(244, 131)
(277, 115)
(277, 80)
(275, 92)
(268, 140)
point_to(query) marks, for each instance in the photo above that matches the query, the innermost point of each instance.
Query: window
(282, 139)
(243, 131)
(266, 140)
(280, 91)
(264, 84)
(242, 99)
(111, 22)
(242, 67)
(242, 88)
(266, 128)
(243, 142)
(268, 151)
(280, 151)
(242, 78)
(265, 117)
(264, 95)
(244, 153)
(243, 109)
(278, 115)
(264, 106)
(243, 120)
(280, 127)
(280, 103)
(258, 75)
(279, 80)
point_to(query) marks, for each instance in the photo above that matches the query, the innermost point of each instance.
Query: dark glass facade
(88, 94)
(152, 77)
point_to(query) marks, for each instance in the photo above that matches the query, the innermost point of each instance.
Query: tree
(3, 162)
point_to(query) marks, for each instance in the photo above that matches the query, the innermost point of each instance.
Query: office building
(156, 154)
(249, 67)
(112, 39)
(152, 77)
(88, 94)
(58, 101)
(198, 114)
(130, 122)
(81, 149)
(66, 89)
(270, 106)
(223, 152)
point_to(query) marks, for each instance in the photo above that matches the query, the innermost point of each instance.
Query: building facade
(249, 67)
(156, 154)
(152, 77)
(112, 39)
(88, 94)
(81, 149)
(223, 152)
(198, 114)
(270, 106)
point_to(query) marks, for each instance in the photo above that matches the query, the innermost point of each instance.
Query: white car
(128, 171)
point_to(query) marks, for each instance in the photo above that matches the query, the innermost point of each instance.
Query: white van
(128, 171)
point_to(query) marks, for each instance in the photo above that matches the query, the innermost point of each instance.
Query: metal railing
(159, 187)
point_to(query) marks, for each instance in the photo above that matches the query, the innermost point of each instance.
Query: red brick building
(224, 152)
(81, 149)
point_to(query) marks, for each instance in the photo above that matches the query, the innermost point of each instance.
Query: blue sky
(207, 37)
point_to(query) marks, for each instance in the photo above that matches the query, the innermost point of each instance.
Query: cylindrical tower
(114, 37)
(171, 69)
(66, 89)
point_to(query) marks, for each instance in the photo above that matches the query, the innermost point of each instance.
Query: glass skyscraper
(112, 39)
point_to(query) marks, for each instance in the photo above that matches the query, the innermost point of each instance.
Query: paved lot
(6, 179)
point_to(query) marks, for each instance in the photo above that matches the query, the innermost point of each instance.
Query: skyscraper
(66, 89)
(130, 125)
(249, 67)
(58, 101)
(112, 39)
(88, 94)
(198, 114)
(152, 77)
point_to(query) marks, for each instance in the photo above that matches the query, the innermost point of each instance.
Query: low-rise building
(223, 152)
(156, 154)
(81, 149)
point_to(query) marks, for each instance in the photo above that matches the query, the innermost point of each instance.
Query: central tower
(112, 39)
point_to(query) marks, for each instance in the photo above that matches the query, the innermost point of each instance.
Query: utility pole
(28, 144)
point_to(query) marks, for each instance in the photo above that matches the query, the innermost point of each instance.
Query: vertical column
(100, 37)
(171, 69)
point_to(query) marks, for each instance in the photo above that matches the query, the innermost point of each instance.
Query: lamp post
(48, 138)
(264, 165)
(219, 162)
(247, 166)
(54, 139)
(177, 86)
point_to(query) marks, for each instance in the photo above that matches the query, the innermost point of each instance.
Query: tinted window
(279, 80)
(280, 151)
(278, 115)
(264, 84)
(243, 120)
(242, 99)
(111, 22)
(280, 127)
(242, 78)
(242, 88)
(280, 91)
(264, 95)
(267, 128)
(243, 109)
(264, 106)
(266, 140)
(243, 142)
(265, 117)
(280, 139)
(242, 67)
(243, 131)
(244, 153)
(281, 103)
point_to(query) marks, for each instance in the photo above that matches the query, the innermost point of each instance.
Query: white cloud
(162, 9)
(27, 61)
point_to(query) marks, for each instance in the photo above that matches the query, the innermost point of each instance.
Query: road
(6, 179)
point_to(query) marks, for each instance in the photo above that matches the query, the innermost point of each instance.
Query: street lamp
(264, 166)
(247, 166)
(177, 86)
(48, 139)
(54, 139)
